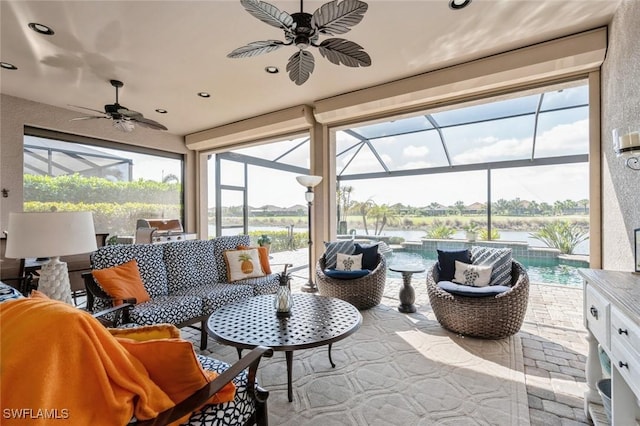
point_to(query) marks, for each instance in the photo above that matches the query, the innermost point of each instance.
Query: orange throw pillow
(122, 282)
(173, 366)
(264, 257)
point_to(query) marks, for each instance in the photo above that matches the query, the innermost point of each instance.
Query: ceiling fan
(123, 117)
(304, 29)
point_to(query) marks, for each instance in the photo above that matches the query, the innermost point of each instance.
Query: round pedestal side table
(407, 293)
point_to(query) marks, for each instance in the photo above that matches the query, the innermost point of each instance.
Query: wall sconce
(309, 182)
(626, 144)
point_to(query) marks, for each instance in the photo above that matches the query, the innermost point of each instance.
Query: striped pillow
(498, 258)
(332, 248)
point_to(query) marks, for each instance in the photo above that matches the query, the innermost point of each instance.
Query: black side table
(407, 292)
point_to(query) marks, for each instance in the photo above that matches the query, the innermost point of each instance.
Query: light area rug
(397, 369)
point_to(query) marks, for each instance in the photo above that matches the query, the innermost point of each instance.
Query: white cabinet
(612, 319)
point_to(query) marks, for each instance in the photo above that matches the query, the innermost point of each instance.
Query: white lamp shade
(309, 181)
(50, 234)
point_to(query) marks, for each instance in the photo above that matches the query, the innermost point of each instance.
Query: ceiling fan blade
(256, 48)
(268, 13)
(337, 18)
(129, 113)
(88, 109)
(345, 52)
(300, 66)
(88, 117)
(145, 122)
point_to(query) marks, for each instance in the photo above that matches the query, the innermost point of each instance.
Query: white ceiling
(167, 51)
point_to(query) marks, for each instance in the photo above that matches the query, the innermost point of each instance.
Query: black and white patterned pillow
(332, 248)
(148, 257)
(498, 258)
(189, 263)
(220, 244)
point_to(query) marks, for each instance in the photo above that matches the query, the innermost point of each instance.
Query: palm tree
(382, 214)
(363, 208)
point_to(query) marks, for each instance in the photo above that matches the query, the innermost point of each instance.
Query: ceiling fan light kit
(303, 30)
(124, 119)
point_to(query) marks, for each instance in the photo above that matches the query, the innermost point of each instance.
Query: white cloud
(415, 151)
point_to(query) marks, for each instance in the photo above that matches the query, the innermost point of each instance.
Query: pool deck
(553, 339)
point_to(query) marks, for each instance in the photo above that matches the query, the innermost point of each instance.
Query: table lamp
(51, 235)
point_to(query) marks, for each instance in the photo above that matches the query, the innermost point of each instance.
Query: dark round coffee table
(315, 321)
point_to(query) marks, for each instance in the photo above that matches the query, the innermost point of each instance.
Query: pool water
(545, 271)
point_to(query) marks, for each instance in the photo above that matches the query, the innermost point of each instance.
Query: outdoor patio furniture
(363, 293)
(489, 317)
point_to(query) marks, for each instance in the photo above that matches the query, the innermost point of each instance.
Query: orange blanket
(59, 363)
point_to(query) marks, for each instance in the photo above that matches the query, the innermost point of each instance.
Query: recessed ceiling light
(41, 29)
(204, 95)
(161, 111)
(459, 4)
(271, 69)
(8, 66)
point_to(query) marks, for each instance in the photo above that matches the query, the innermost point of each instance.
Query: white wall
(620, 106)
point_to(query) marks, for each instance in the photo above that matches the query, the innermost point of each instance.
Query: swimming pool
(545, 271)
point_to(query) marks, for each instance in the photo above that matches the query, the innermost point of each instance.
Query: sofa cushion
(446, 262)
(189, 263)
(150, 263)
(122, 282)
(261, 285)
(169, 309)
(216, 295)
(332, 248)
(468, 291)
(472, 275)
(220, 245)
(369, 255)
(498, 258)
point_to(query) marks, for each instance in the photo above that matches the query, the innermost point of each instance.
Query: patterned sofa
(186, 280)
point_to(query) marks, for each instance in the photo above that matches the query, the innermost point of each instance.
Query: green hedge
(114, 219)
(81, 189)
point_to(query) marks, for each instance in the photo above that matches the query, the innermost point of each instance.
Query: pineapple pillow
(242, 264)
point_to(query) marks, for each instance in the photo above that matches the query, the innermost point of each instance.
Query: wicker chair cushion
(469, 291)
(498, 258)
(346, 275)
(447, 260)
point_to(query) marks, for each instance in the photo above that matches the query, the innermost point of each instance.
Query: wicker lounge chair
(491, 317)
(363, 293)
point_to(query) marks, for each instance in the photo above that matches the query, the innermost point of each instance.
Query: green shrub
(441, 232)
(561, 235)
(484, 234)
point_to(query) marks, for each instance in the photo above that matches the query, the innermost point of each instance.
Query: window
(119, 185)
(512, 168)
